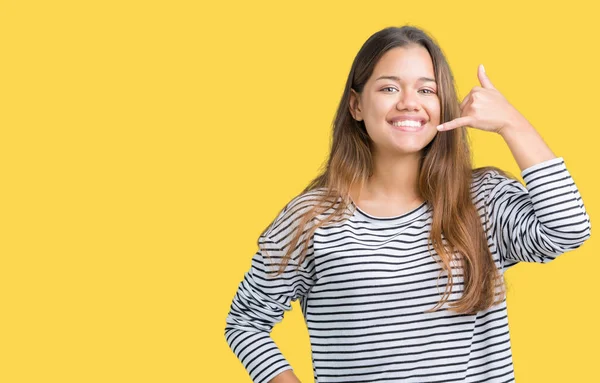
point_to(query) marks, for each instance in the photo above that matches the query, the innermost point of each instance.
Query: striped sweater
(366, 283)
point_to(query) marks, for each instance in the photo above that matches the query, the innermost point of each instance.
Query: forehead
(409, 63)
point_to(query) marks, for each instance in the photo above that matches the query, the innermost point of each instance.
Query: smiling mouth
(406, 126)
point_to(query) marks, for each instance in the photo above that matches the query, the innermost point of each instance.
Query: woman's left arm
(544, 218)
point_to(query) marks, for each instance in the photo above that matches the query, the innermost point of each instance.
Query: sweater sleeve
(538, 221)
(261, 300)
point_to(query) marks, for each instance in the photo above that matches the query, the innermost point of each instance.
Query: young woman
(397, 250)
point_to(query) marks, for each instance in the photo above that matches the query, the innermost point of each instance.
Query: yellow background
(146, 144)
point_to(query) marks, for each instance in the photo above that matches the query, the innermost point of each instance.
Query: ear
(355, 105)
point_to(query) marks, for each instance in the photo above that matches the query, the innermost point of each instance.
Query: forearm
(525, 143)
(285, 377)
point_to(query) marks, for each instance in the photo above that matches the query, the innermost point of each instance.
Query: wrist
(514, 127)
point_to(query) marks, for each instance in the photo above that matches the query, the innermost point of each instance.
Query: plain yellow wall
(146, 144)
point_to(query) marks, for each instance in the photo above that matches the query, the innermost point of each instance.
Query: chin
(410, 147)
(406, 151)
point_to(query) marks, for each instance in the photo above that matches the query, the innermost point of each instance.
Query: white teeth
(410, 123)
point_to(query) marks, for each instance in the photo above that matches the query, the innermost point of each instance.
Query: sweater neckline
(391, 220)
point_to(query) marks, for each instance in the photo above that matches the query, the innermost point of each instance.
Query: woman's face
(399, 103)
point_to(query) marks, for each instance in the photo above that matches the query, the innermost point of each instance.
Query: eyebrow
(397, 79)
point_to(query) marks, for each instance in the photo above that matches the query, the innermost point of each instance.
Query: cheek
(377, 113)
(381, 107)
(433, 109)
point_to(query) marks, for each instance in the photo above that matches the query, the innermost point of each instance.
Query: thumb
(483, 78)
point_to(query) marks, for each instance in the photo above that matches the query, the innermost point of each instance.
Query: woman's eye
(427, 91)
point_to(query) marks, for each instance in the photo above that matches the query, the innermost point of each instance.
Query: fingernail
(440, 127)
(482, 67)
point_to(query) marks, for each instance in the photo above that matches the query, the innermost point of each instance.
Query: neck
(394, 178)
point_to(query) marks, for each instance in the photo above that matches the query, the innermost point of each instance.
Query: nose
(408, 100)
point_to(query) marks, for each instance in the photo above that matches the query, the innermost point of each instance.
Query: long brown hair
(445, 178)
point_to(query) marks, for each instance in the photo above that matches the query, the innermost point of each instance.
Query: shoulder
(489, 181)
(288, 219)
(306, 200)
